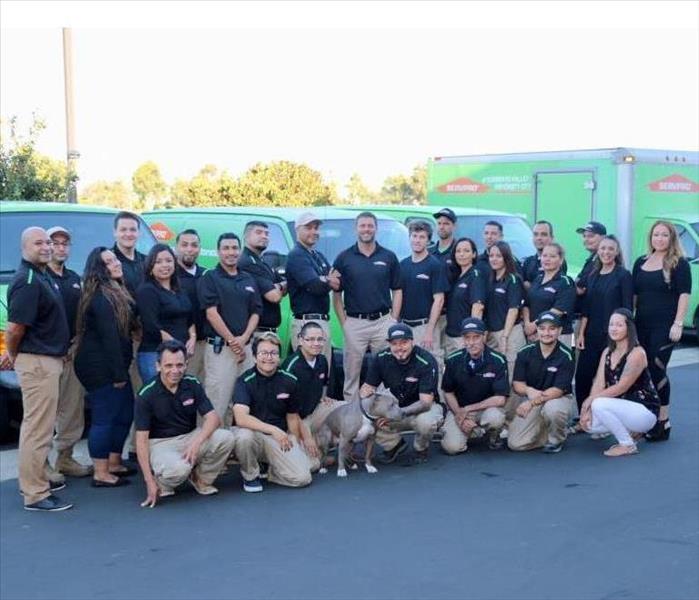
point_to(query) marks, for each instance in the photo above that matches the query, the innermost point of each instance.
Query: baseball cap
(446, 212)
(51, 231)
(306, 218)
(472, 325)
(399, 331)
(593, 227)
(551, 317)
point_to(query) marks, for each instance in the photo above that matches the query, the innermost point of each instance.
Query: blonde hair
(674, 251)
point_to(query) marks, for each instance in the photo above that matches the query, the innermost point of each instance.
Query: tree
(25, 174)
(358, 192)
(406, 189)
(109, 193)
(209, 187)
(148, 184)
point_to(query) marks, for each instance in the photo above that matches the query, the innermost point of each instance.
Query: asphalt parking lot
(482, 525)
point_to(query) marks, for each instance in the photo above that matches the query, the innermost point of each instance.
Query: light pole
(71, 153)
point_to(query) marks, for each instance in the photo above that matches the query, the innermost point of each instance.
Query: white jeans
(620, 417)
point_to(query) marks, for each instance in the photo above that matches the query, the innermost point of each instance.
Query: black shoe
(98, 483)
(49, 504)
(253, 486)
(550, 448)
(660, 432)
(390, 456)
(54, 486)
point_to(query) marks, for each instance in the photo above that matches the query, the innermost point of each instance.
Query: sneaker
(49, 504)
(253, 486)
(54, 486)
(202, 488)
(550, 448)
(71, 467)
(390, 456)
(264, 469)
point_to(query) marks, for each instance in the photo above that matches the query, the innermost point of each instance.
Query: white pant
(620, 418)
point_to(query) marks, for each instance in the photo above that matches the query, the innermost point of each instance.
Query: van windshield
(516, 232)
(89, 230)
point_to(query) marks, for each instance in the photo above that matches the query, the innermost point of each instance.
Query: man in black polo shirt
(271, 286)
(310, 280)
(169, 445)
(492, 233)
(37, 338)
(233, 307)
(592, 233)
(543, 375)
(542, 236)
(268, 425)
(409, 373)
(476, 387)
(187, 249)
(127, 229)
(368, 274)
(446, 224)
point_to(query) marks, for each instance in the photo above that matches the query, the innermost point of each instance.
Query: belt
(312, 317)
(212, 341)
(369, 316)
(415, 322)
(265, 329)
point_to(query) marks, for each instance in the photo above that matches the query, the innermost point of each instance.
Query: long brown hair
(674, 251)
(618, 259)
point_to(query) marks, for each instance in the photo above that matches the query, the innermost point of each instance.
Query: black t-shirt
(419, 281)
(656, 300)
(188, 282)
(367, 281)
(133, 269)
(265, 278)
(531, 267)
(558, 292)
(502, 295)
(311, 380)
(270, 398)
(162, 310)
(71, 289)
(235, 296)
(35, 300)
(167, 415)
(605, 293)
(466, 291)
(541, 373)
(307, 293)
(581, 281)
(451, 269)
(406, 381)
(474, 380)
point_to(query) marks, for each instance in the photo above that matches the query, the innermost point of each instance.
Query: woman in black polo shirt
(105, 324)
(662, 282)
(165, 309)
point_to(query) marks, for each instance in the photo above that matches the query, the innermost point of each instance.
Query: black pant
(588, 362)
(656, 342)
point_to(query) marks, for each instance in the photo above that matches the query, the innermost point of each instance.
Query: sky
(371, 88)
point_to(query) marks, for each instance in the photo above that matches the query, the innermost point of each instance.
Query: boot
(66, 464)
(52, 475)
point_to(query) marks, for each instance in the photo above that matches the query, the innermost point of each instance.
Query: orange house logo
(674, 183)
(162, 232)
(463, 185)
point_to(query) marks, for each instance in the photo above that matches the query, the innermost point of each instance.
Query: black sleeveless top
(642, 390)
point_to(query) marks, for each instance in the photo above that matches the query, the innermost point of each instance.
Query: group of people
(465, 344)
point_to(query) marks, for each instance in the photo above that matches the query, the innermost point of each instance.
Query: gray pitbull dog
(356, 422)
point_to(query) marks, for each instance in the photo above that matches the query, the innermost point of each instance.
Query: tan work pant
(545, 423)
(360, 335)
(297, 324)
(195, 365)
(515, 343)
(222, 371)
(291, 468)
(425, 425)
(39, 378)
(455, 441)
(70, 417)
(171, 469)
(452, 344)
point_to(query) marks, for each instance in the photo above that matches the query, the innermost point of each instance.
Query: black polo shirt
(558, 292)
(474, 380)
(307, 293)
(502, 295)
(367, 281)
(406, 381)
(556, 370)
(235, 296)
(265, 278)
(419, 281)
(162, 310)
(35, 301)
(270, 398)
(445, 256)
(188, 282)
(71, 289)
(466, 291)
(311, 380)
(133, 269)
(531, 267)
(167, 415)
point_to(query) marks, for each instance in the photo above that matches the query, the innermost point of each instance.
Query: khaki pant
(39, 378)
(292, 468)
(515, 343)
(425, 425)
(171, 469)
(222, 371)
(455, 441)
(297, 324)
(452, 344)
(195, 365)
(70, 418)
(360, 335)
(545, 423)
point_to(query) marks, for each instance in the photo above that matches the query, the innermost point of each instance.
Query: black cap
(593, 227)
(399, 331)
(472, 325)
(446, 212)
(549, 316)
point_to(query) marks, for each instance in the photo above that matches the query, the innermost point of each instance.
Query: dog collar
(366, 414)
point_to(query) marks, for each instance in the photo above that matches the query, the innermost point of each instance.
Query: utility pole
(72, 153)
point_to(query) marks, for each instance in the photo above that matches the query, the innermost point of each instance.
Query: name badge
(249, 288)
(489, 375)
(552, 369)
(380, 263)
(188, 402)
(282, 396)
(422, 276)
(500, 290)
(550, 289)
(411, 379)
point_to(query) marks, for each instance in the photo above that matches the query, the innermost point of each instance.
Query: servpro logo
(463, 185)
(674, 183)
(162, 232)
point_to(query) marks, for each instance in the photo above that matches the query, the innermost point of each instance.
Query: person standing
(127, 229)
(444, 248)
(662, 282)
(592, 233)
(369, 299)
(37, 338)
(310, 281)
(70, 419)
(492, 234)
(233, 307)
(542, 236)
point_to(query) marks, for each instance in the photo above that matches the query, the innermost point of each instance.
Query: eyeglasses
(268, 353)
(315, 340)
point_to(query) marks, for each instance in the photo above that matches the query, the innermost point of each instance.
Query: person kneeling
(543, 375)
(169, 445)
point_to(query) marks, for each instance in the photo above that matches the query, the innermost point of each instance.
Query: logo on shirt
(380, 263)
(188, 402)
(411, 379)
(282, 396)
(489, 375)
(321, 376)
(77, 286)
(550, 289)
(463, 285)
(249, 288)
(422, 276)
(500, 290)
(552, 369)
